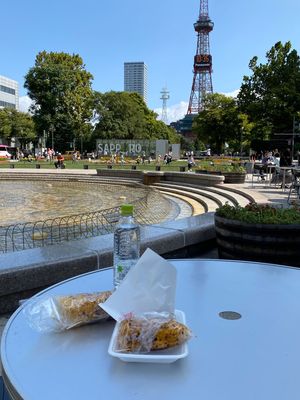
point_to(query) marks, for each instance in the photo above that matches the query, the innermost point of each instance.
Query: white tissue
(149, 286)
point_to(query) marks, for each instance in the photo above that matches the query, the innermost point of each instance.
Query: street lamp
(296, 129)
(241, 148)
(51, 129)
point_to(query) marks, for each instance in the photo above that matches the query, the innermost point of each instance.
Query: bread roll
(138, 335)
(82, 308)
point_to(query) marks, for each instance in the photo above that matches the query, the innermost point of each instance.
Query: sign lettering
(126, 147)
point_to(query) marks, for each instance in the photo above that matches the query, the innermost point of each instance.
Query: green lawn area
(173, 166)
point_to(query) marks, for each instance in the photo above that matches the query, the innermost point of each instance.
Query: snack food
(82, 308)
(142, 334)
(59, 313)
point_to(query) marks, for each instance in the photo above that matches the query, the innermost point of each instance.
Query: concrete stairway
(64, 177)
(209, 197)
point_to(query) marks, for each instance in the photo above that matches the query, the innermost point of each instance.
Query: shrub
(261, 214)
(225, 168)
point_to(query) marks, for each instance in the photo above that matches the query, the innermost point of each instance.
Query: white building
(136, 78)
(9, 93)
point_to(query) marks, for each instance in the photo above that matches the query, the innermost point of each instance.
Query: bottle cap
(126, 209)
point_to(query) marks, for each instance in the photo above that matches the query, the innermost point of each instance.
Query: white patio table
(253, 357)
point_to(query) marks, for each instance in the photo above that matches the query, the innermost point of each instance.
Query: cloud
(178, 111)
(175, 112)
(232, 94)
(24, 103)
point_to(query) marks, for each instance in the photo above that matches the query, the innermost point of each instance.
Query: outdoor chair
(276, 179)
(294, 192)
(259, 173)
(249, 168)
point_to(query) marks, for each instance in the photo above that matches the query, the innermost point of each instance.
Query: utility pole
(51, 129)
(293, 139)
(296, 132)
(241, 149)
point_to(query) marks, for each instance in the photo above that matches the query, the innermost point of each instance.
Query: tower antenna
(202, 81)
(165, 95)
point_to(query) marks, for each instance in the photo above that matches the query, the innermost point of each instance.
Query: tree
(123, 115)
(271, 95)
(220, 122)
(15, 124)
(60, 88)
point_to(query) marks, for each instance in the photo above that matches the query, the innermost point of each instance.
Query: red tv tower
(202, 82)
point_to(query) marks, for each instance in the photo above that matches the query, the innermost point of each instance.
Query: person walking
(191, 162)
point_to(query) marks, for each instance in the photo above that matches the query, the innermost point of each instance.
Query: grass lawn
(173, 166)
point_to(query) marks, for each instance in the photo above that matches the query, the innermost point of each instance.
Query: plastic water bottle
(126, 244)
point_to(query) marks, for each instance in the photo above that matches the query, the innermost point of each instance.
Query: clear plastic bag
(151, 331)
(59, 313)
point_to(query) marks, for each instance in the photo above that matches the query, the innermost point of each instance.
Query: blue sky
(158, 32)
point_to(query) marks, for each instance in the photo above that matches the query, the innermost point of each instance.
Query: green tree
(15, 124)
(60, 88)
(220, 122)
(271, 95)
(123, 115)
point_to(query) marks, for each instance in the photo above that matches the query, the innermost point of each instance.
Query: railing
(148, 210)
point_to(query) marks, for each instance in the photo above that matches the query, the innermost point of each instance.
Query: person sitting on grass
(60, 161)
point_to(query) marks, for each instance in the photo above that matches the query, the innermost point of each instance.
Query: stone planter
(215, 173)
(277, 244)
(149, 178)
(234, 177)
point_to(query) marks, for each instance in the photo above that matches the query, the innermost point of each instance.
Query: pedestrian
(74, 156)
(191, 162)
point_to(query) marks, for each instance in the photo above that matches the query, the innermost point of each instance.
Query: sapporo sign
(127, 147)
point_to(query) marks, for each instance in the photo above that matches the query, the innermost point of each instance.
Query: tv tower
(202, 82)
(165, 95)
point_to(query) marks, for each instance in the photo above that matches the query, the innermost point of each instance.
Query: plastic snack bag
(59, 313)
(151, 331)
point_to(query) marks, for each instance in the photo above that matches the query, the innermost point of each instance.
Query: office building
(9, 93)
(135, 78)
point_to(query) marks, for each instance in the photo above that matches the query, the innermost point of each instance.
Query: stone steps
(209, 197)
(66, 178)
(188, 207)
(209, 204)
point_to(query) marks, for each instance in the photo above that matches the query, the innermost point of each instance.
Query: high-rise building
(9, 93)
(135, 78)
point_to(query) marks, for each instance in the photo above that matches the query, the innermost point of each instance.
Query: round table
(254, 357)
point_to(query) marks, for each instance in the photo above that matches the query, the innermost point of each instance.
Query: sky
(107, 33)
